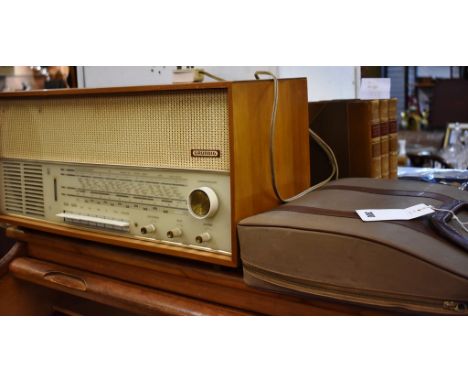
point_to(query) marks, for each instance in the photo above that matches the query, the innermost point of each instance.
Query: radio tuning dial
(202, 203)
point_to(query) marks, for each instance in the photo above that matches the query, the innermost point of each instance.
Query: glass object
(403, 121)
(402, 157)
(455, 154)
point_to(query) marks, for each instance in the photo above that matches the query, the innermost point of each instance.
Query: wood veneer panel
(113, 90)
(250, 171)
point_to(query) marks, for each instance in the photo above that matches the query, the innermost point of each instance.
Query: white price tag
(409, 213)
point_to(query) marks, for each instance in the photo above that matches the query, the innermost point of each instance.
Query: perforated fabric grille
(150, 130)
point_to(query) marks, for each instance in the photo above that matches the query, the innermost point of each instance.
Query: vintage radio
(169, 169)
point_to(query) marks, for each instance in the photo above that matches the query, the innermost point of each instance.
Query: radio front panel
(190, 209)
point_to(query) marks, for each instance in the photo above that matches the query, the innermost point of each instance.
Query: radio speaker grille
(150, 129)
(23, 188)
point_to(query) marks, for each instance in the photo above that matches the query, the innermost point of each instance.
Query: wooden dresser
(45, 274)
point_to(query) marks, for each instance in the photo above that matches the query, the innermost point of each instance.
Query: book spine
(393, 138)
(384, 138)
(376, 159)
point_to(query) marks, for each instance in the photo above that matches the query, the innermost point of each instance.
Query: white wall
(236, 73)
(324, 82)
(103, 76)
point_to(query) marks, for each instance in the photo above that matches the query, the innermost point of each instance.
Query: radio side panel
(250, 144)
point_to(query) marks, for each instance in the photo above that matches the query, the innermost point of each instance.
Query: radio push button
(175, 232)
(203, 238)
(93, 221)
(148, 229)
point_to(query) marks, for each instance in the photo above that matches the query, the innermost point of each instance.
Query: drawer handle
(66, 280)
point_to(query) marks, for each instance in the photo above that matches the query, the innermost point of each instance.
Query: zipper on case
(458, 307)
(345, 295)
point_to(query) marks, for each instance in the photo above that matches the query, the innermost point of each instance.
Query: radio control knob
(148, 229)
(203, 238)
(202, 202)
(175, 232)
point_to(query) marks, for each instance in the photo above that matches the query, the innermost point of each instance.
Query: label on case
(413, 212)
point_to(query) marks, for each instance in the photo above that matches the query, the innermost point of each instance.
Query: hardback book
(393, 138)
(384, 138)
(351, 128)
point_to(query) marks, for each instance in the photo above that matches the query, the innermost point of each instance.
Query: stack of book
(363, 135)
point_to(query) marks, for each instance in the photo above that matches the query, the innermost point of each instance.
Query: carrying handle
(441, 218)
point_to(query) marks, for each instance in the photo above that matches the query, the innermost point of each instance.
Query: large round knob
(202, 203)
